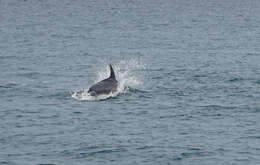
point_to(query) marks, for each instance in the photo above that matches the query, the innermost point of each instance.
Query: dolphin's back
(103, 87)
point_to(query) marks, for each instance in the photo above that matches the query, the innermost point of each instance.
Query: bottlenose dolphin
(105, 86)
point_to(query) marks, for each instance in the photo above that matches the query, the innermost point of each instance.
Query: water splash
(84, 95)
(126, 75)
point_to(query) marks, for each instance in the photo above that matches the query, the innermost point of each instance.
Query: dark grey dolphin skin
(105, 86)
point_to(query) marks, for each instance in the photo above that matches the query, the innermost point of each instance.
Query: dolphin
(106, 86)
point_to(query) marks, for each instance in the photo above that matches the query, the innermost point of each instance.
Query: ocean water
(189, 74)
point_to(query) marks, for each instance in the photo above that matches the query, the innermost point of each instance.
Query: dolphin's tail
(112, 73)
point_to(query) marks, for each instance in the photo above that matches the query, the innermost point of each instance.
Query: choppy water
(190, 75)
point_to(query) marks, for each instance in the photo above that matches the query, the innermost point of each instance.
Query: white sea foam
(126, 76)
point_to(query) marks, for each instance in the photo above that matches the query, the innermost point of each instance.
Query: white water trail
(126, 76)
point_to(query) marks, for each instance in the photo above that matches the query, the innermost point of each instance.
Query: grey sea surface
(189, 70)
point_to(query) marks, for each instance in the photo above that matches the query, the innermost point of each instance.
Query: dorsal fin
(112, 73)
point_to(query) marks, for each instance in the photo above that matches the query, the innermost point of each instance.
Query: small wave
(236, 79)
(127, 78)
(134, 90)
(57, 95)
(98, 152)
